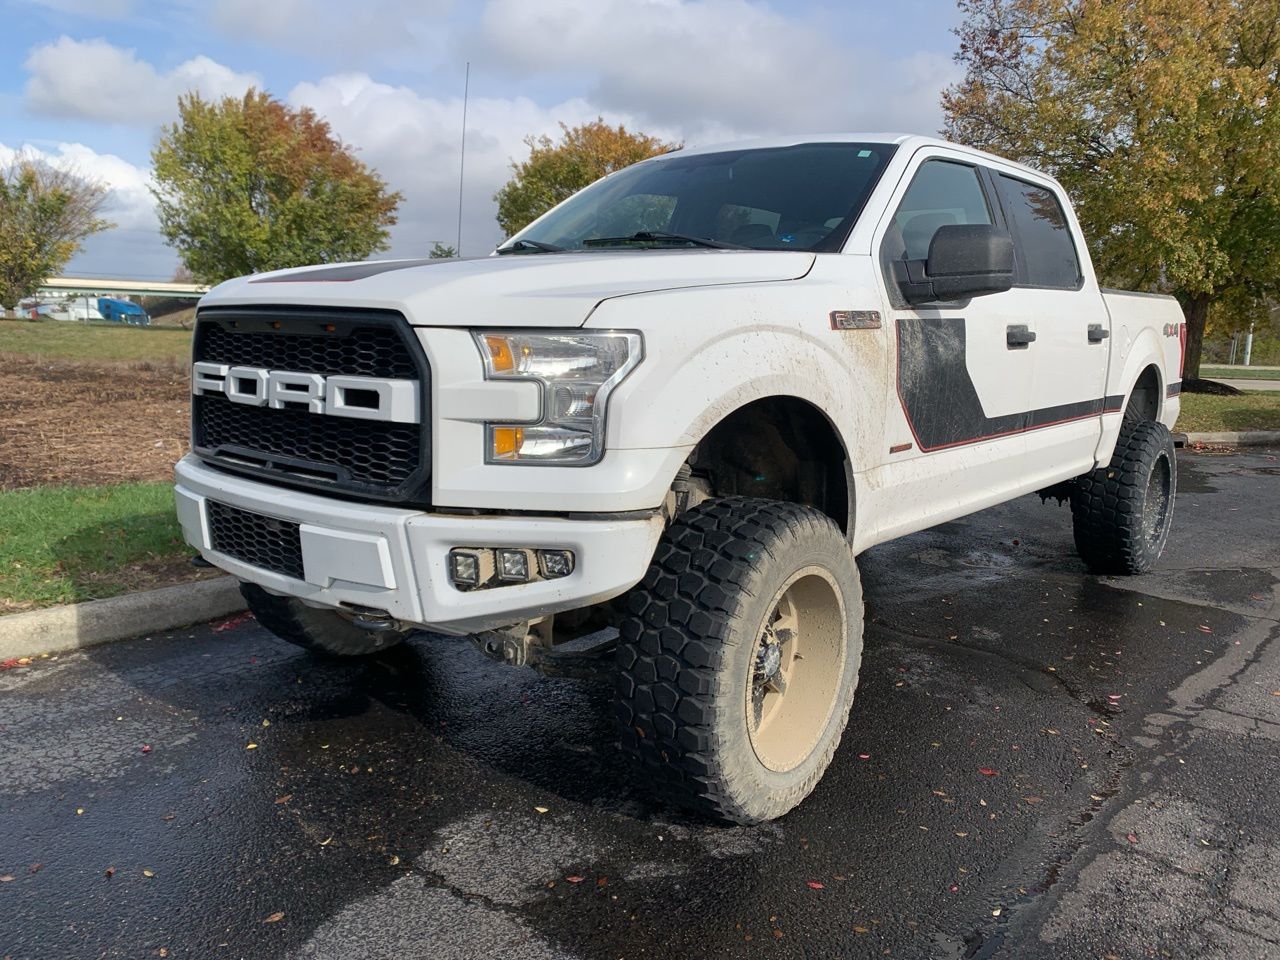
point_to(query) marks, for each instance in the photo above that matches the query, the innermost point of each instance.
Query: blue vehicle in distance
(123, 311)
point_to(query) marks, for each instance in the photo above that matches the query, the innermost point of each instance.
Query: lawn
(67, 544)
(81, 341)
(1252, 410)
(1224, 372)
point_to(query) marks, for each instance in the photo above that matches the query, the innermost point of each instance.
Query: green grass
(66, 544)
(80, 341)
(1252, 410)
(1224, 372)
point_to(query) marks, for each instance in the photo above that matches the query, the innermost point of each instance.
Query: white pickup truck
(673, 410)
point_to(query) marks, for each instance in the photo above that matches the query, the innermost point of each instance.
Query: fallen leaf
(233, 622)
(961, 833)
(251, 746)
(1032, 799)
(602, 882)
(395, 860)
(110, 872)
(37, 867)
(1132, 837)
(988, 772)
(275, 917)
(79, 811)
(575, 879)
(326, 842)
(954, 888)
(861, 930)
(1203, 628)
(8, 664)
(148, 873)
(542, 809)
(864, 756)
(7, 878)
(146, 748)
(815, 885)
(777, 934)
(284, 798)
(995, 912)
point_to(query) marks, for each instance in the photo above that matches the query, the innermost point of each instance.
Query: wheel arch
(795, 454)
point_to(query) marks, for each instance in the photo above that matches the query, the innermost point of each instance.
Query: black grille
(360, 351)
(256, 540)
(364, 458)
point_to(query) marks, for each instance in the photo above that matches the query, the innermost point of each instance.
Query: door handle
(1018, 337)
(1098, 333)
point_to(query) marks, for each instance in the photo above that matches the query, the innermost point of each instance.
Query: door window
(1043, 238)
(941, 193)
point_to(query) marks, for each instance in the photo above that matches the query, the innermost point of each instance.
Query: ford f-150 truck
(672, 411)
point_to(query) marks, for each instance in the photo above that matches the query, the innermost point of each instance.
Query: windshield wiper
(652, 235)
(531, 246)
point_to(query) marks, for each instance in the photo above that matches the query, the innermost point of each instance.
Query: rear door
(1069, 355)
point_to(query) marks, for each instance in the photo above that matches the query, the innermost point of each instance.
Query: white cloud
(413, 141)
(709, 66)
(333, 30)
(95, 80)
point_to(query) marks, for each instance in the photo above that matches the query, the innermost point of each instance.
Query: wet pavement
(1039, 763)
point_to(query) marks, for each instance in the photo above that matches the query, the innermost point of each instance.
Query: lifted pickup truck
(679, 405)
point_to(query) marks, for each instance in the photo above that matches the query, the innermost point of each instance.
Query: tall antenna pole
(462, 161)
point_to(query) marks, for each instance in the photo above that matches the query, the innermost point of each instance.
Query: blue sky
(88, 84)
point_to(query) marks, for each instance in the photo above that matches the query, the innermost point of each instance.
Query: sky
(88, 84)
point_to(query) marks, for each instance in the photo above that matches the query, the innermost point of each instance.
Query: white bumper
(395, 559)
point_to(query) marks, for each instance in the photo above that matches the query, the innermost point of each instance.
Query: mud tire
(1121, 513)
(322, 632)
(689, 646)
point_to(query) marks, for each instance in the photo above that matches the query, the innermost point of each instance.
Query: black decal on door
(938, 396)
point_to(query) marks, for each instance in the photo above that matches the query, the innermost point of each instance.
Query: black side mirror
(965, 260)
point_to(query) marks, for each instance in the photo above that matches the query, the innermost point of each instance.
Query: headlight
(577, 372)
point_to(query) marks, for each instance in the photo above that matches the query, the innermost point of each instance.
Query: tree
(45, 214)
(441, 251)
(556, 171)
(1159, 117)
(249, 184)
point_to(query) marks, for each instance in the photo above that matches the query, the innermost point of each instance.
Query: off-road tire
(1121, 513)
(323, 632)
(688, 644)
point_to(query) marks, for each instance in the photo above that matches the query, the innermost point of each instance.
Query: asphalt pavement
(1039, 763)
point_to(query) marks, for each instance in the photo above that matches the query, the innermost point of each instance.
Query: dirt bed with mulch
(90, 422)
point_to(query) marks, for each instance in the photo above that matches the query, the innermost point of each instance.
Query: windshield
(804, 197)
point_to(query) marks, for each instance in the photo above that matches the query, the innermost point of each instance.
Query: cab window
(942, 192)
(1041, 235)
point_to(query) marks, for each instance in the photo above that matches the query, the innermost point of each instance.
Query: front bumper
(395, 560)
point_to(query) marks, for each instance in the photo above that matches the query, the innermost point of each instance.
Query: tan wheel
(739, 657)
(796, 669)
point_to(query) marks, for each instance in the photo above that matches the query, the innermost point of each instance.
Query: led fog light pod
(513, 565)
(464, 568)
(556, 563)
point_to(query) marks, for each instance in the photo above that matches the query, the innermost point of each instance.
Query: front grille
(370, 459)
(259, 541)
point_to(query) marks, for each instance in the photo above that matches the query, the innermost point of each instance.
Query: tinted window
(940, 193)
(1040, 231)
(804, 197)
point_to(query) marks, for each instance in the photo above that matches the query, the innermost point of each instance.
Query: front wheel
(1121, 513)
(739, 657)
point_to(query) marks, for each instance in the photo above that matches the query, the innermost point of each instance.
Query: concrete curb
(75, 626)
(1246, 438)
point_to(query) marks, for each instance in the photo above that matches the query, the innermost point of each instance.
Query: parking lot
(1040, 763)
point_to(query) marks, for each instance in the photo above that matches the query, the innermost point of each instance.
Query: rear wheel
(739, 657)
(320, 631)
(1121, 513)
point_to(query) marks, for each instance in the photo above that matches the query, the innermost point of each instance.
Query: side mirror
(965, 260)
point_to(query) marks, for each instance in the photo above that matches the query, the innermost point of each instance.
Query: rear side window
(1040, 231)
(941, 193)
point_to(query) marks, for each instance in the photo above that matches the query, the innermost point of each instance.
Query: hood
(538, 290)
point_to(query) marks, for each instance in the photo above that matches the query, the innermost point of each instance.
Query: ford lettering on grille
(362, 398)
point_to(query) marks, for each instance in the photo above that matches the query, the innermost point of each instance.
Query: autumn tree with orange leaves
(1161, 118)
(248, 184)
(557, 170)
